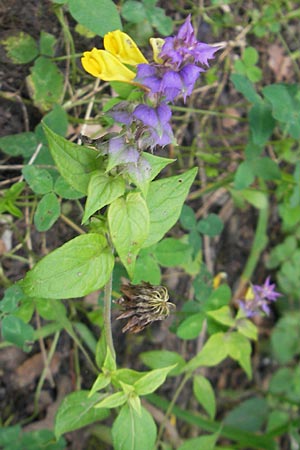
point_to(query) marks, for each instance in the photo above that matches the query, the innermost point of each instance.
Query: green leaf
(21, 48)
(240, 67)
(56, 120)
(133, 431)
(45, 83)
(10, 197)
(157, 359)
(157, 163)
(247, 329)
(218, 297)
(243, 85)
(40, 180)
(12, 296)
(202, 285)
(249, 415)
(277, 419)
(212, 225)
(212, 353)
(285, 102)
(102, 190)
(47, 44)
(99, 16)
(19, 144)
(17, 332)
(261, 122)
(113, 400)
(100, 383)
(285, 338)
(122, 377)
(265, 168)
(239, 349)
(146, 269)
(165, 199)
(47, 212)
(133, 11)
(49, 309)
(75, 162)
(223, 316)
(128, 221)
(203, 442)
(190, 328)
(187, 218)
(109, 364)
(250, 56)
(160, 21)
(256, 198)
(41, 439)
(65, 190)
(204, 393)
(152, 380)
(254, 74)
(171, 252)
(75, 269)
(76, 411)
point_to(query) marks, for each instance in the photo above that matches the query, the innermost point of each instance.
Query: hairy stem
(107, 317)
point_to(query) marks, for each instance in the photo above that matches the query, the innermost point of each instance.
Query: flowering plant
(127, 211)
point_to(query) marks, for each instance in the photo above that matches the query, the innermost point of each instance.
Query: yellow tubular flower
(104, 65)
(124, 48)
(157, 44)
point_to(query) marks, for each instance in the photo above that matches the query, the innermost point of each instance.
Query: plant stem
(107, 317)
(259, 244)
(183, 382)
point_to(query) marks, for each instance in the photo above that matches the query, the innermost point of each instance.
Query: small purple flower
(120, 153)
(121, 113)
(179, 70)
(157, 130)
(171, 85)
(149, 76)
(184, 47)
(262, 296)
(266, 291)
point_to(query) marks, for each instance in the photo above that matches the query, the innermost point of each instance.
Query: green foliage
(207, 442)
(17, 332)
(45, 83)
(286, 382)
(164, 200)
(266, 19)
(9, 198)
(247, 65)
(47, 212)
(99, 16)
(125, 224)
(285, 102)
(285, 338)
(12, 438)
(156, 359)
(76, 411)
(77, 268)
(133, 430)
(102, 190)
(204, 393)
(139, 12)
(21, 48)
(76, 164)
(128, 221)
(250, 415)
